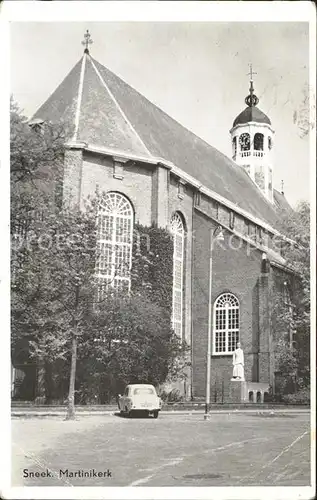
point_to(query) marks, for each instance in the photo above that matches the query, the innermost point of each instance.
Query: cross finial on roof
(251, 99)
(88, 41)
(251, 73)
(282, 186)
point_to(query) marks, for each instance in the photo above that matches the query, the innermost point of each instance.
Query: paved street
(174, 450)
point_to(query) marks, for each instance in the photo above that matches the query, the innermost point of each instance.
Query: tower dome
(251, 114)
(252, 143)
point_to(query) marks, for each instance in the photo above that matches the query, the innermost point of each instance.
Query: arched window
(258, 142)
(178, 232)
(115, 230)
(269, 142)
(226, 324)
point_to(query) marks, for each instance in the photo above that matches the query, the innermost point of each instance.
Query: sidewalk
(39, 413)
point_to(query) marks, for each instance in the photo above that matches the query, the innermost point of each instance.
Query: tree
(130, 340)
(36, 160)
(53, 251)
(293, 315)
(53, 288)
(35, 157)
(36, 148)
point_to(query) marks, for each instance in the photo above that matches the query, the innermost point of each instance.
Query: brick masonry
(155, 195)
(73, 161)
(236, 392)
(237, 271)
(136, 183)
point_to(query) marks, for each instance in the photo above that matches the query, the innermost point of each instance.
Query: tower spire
(88, 41)
(251, 100)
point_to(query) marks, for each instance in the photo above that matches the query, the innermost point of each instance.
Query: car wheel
(155, 414)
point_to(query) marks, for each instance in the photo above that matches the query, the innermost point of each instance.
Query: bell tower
(252, 143)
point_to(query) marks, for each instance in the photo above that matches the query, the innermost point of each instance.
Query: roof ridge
(79, 96)
(118, 106)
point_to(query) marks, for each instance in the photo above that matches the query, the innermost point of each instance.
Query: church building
(222, 213)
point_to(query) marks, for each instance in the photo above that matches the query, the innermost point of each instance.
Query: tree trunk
(40, 398)
(71, 394)
(48, 383)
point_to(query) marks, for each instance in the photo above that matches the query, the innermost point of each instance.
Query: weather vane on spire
(251, 99)
(88, 41)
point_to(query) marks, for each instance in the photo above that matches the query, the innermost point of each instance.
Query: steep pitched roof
(84, 101)
(61, 105)
(281, 202)
(106, 111)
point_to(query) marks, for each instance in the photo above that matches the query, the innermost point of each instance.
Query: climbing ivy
(152, 265)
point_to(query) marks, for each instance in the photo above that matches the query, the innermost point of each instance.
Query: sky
(195, 71)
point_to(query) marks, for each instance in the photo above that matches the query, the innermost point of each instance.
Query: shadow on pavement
(135, 414)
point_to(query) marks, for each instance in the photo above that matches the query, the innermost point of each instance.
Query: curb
(258, 411)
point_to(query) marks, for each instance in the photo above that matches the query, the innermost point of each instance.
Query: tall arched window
(115, 230)
(226, 324)
(258, 141)
(178, 232)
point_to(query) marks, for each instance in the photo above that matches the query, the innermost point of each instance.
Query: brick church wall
(238, 272)
(280, 279)
(136, 184)
(160, 189)
(73, 162)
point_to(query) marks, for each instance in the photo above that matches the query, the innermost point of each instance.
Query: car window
(143, 390)
(126, 392)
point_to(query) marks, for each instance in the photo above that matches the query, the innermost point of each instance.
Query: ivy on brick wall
(152, 265)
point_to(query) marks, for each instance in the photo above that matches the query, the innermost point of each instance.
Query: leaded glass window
(226, 324)
(178, 232)
(115, 230)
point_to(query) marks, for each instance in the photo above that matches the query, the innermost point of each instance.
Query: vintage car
(139, 398)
